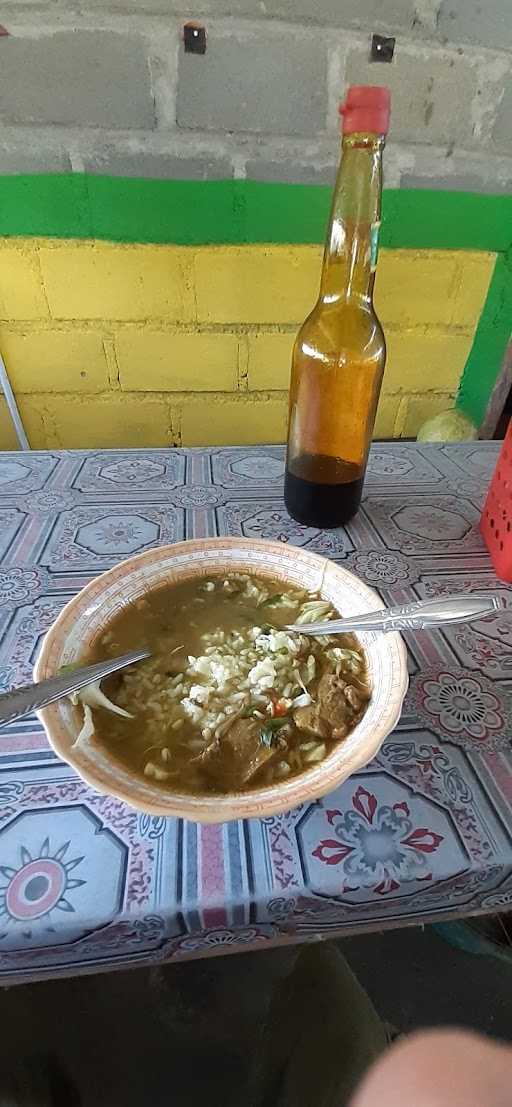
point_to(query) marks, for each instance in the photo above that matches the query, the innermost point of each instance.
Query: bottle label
(374, 245)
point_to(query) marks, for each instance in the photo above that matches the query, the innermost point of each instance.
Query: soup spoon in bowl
(424, 615)
(15, 705)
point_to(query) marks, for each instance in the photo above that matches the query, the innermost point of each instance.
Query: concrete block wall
(106, 87)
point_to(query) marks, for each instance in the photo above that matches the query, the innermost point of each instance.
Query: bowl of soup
(232, 716)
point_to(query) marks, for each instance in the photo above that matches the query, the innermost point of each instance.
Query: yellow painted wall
(130, 345)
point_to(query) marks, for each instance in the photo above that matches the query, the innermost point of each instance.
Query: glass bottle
(340, 351)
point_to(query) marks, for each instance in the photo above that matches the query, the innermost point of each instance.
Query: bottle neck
(350, 255)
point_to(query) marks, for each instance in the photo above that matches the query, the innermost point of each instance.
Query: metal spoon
(21, 702)
(424, 615)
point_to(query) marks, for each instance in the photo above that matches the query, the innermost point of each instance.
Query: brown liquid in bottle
(323, 491)
(339, 354)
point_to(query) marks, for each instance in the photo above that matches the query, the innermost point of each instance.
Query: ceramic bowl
(87, 617)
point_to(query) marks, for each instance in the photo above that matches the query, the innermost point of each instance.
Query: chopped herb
(277, 723)
(69, 668)
(266, 737)
(268, 731)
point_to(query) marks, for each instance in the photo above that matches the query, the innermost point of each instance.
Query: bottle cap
(366, 110)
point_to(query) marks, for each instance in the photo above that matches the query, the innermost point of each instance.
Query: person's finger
(450, 1068)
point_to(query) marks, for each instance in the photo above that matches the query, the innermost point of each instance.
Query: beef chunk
(333, 713)
(339, 732)
(332, 702)
(310, 720)
(238, 755)
(352, 696)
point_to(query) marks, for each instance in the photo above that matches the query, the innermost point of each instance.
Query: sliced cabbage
(89, 697)
(87, 729)
(310, 668)
(314, 611)
(92, 696)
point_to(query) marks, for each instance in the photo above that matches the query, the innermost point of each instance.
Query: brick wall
(127, 344)
(107, 87)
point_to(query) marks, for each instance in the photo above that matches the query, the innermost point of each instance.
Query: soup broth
(229, 700)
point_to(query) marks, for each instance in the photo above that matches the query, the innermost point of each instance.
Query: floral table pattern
(423, 832)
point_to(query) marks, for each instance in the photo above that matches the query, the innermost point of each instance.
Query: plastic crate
(496, 521)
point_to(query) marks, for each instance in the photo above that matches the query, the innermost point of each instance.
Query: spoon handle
(423, 615)
(21, 702)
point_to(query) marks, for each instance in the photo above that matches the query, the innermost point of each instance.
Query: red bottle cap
(366, 110)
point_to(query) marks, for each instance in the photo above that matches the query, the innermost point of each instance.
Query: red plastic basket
(496, 521)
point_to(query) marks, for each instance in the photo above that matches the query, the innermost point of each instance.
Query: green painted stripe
(429, 219)
(44, 205)
(195, 212)
(489, 343)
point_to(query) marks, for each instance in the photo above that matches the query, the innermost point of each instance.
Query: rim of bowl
(274, 799)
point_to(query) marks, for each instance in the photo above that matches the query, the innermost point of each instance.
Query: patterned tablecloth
(423, 832)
